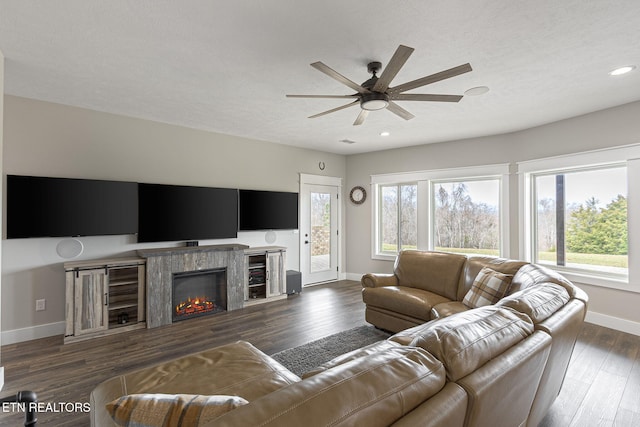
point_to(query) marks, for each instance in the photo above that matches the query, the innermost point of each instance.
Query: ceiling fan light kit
(377, 94)
(374, 101)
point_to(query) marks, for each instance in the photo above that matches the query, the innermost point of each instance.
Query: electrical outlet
(40, 304)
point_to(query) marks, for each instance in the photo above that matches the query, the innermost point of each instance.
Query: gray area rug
(308, 356)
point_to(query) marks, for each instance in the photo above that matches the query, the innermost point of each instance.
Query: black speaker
(294, 282)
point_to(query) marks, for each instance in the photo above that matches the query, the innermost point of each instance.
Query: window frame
(628, 156)
(424, 181)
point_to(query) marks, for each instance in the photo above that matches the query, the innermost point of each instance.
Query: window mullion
(399, 200)
(560, 217)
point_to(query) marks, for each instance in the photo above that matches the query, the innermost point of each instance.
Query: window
(581, 219)
(580, 215)
(456, 210)
(397, 218)
(466, 216)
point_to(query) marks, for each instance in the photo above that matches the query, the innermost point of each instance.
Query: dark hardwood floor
(602, 385)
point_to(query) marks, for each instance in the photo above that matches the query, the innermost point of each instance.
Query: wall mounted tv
(175, 212)
(65, 207)
(268, 210)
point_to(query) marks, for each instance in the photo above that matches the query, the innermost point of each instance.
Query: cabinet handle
(106, 298)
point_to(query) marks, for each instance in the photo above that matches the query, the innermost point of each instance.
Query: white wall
(607, 128)
(48, 139)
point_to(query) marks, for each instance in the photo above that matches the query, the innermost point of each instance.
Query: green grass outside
(619, 261)
(388, 247)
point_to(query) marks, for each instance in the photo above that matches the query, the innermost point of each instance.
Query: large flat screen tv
(175, 212)
(268, 210)
(66, 207)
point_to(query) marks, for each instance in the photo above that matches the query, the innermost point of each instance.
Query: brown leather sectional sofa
(447, 365)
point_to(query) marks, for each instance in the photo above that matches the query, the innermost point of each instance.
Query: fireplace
(199, 293)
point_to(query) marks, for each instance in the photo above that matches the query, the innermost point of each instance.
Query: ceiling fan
(376, 94)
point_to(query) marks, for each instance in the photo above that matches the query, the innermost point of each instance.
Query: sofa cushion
(411, 302)
(446, 309)
(533, 274)
(170, 410)
(248, 373)
(436, 272)
(465, 341)
(368, 350)
(538, 302)
(488, 288)
(374, 390)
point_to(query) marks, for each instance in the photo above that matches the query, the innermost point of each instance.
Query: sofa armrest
(371, 280)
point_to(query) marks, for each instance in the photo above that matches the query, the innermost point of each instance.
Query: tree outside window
(467, 216)
(581, 219)
(398, 216)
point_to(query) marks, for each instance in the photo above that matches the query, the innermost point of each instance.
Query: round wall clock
(358, 195)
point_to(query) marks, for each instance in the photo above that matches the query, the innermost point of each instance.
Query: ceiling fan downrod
(373, 101)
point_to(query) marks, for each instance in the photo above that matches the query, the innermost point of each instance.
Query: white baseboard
(616, 323)
(353, 276)
(58, 328)
(32, 333)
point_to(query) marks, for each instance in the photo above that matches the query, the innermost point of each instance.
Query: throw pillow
(170, 410)
(488, 288)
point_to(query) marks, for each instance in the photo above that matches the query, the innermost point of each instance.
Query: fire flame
(195, 305)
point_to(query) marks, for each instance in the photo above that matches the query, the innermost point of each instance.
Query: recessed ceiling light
(385, 133)
(475, 91)
(622, 70)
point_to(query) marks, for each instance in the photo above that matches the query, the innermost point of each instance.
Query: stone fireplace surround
(162, 263)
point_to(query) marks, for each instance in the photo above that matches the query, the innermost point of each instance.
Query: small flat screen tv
(66, 207)
(174, 212)
(268, 210)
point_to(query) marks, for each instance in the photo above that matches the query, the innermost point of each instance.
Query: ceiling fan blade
(425, 97)
(360, 119)
(398, 110)
(395, 64)
(335, 109)
(321, 96)
(339, 77)
(442, 75)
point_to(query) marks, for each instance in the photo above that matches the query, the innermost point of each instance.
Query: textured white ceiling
(225, 66)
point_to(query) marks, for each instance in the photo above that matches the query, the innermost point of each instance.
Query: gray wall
(607, 128)
(48, 139)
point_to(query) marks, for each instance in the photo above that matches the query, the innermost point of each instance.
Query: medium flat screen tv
(268, 210)
(175, 212)
(66, 207)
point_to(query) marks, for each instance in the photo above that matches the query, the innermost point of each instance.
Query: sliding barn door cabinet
(265, 275)
(104, 297)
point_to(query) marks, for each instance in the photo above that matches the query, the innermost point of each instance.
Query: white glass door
(319, 233)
